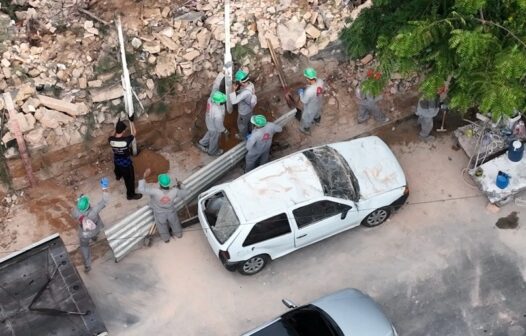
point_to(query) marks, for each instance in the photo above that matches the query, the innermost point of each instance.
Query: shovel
(442, 129)
(148, 239)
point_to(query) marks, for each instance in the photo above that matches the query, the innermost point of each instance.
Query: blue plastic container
(503, 180)
(516, 151)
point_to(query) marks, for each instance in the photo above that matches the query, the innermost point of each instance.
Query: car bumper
(229, 265)
(401, 200)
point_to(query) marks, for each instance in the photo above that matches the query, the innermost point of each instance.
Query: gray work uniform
(426, 110)
(367, 105)
(244, 100)
(258, 145)
(86, 236)
(215, 116)
(312, 99)
(162, 203)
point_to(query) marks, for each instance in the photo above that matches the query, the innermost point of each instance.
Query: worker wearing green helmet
(215, 116)
(85, 214)
(312, 99)
(259, 143)
(244, 96)
(162, 201)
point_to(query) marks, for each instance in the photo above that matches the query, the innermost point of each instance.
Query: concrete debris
(77, 60)
(63, 106)
(107, 93)
(367, 59)
(51, 118)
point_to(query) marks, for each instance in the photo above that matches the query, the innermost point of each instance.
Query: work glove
(300, 91)
(226, 132)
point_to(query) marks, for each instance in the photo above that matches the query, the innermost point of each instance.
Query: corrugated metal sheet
(131, 230)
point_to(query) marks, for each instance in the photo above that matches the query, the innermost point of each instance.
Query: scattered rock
(292, 35)
(191, 54)
(95, 83)
(165, 66)
(367, 59)
(63, 106)
(36, 138)
(107, 93)
(136, 42)
(153, 47)
(312, 31)
(51, 118)
(26, 122)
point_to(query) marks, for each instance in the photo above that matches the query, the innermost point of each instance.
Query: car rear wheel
(253, 265)
(377, 217)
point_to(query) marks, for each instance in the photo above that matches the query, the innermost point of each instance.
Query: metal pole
(125, 79)
(228, 57)
(19, 138)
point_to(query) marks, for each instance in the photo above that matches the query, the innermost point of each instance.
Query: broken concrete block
(312, 31)
(108, 93)
(73, 109)
(51, 118)
(367, 59)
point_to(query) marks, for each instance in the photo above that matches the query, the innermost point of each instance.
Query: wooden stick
(10, 107)
(93, 16)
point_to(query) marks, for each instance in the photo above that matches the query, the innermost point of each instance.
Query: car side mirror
(344, 214)
(289, 304)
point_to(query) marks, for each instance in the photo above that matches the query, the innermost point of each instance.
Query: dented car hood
(373, 164)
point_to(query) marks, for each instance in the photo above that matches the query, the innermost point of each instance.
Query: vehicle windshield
(221, 217)
(336, 177)
(304, 321)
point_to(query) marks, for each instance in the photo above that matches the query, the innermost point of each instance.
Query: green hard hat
(164, 180)
(219, 97)
(310, 73)
(259, 120)
(241, 76)
(83, 203)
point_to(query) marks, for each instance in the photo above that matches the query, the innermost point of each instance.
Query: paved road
(438, 267)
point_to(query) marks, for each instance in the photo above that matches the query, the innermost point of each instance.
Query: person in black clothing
(120, 145)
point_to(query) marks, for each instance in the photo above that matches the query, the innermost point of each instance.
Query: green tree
(478, 44)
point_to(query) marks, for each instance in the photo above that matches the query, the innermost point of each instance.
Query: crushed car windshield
(221, 217)
(304, 321)
(336, 177)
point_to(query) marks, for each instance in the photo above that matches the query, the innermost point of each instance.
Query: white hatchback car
(301, 199)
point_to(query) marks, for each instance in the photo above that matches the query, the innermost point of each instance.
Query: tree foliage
(480, 45)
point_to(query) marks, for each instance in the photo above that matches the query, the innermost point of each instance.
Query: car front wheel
(253, 265)
(377, 217)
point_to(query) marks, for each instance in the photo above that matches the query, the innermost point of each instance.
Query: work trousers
(128, 174)
(166, 221)
(211, 141)
(255, 160)
(426, 124)
(365, 111)
(85, 250)
(243, 124)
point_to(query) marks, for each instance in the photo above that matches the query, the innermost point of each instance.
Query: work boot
(428, 138)
(202, 148)
(87, 269)
(304, 131)
(134, 197)
(317, 120)
(167, 241)
(218, 153)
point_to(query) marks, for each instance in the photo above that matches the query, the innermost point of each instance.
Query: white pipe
(228, 57)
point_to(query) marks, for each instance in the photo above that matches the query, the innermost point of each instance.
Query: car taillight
(224, 255)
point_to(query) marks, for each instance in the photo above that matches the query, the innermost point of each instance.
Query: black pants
(128, 174)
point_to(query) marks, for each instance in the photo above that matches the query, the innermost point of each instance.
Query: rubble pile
(64, 65)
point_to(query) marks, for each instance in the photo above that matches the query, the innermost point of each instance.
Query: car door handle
(303, 235)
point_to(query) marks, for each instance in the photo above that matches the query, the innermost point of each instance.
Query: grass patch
(166, 86)
(239, 52)
(106, 64)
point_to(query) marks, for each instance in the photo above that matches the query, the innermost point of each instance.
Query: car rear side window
(267, 229)
(318, 211)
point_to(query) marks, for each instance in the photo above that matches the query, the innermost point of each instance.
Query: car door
(321, 219)
(272, 236)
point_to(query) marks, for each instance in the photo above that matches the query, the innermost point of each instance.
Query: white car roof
(276, 187)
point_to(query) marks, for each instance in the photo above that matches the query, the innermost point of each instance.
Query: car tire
(253, 265)
(377, 217)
